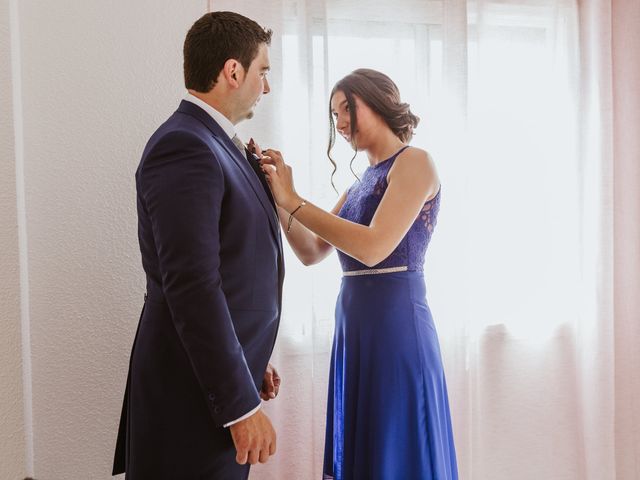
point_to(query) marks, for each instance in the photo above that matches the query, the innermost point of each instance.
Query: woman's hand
(280, 178)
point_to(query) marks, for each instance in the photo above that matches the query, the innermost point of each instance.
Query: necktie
(238, 143)
(253, 161)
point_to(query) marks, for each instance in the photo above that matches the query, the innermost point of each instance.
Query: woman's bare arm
(411, 182)
(308, 247)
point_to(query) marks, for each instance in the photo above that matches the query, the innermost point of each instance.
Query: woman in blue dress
(388, 412)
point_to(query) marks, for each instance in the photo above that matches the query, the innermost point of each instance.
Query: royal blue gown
(388, 412)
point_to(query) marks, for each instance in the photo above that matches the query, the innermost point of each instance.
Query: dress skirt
(387, 412)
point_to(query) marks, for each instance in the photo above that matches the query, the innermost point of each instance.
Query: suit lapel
(243, 163)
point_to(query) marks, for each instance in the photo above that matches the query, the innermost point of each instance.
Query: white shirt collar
(219, 118)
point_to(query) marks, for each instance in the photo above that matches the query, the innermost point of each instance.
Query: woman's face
(366, 119)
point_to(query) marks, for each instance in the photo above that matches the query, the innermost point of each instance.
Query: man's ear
(233, 72)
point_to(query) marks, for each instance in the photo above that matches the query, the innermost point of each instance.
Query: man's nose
(266, 88)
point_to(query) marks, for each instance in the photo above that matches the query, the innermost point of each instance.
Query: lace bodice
(361, 204)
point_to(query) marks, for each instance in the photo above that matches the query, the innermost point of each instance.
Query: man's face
(254, 84)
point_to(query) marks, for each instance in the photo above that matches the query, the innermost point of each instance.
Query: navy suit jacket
(212, 253)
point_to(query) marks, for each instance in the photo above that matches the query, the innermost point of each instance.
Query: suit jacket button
(217, 409)
(212, 397)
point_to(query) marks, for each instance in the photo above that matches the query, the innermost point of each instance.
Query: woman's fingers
(277, 173)
(269, 168)
(275, 155)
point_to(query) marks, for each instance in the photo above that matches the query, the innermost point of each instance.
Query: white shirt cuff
(246, 415)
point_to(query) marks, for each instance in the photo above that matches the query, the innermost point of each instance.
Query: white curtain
(514, 103)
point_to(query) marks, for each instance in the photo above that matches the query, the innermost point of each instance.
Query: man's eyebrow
(265, 68)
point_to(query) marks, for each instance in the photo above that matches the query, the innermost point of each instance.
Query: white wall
(97, 79)
(12, 438)
(626, 106)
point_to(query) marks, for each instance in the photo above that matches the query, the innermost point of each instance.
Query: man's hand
(270, 384)
(254, 439)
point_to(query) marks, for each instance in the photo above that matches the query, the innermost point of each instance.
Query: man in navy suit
(212, 253)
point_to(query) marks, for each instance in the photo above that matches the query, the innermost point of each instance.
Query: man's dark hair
(215, 38)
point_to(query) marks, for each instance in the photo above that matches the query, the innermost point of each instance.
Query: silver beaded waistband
(374, 271)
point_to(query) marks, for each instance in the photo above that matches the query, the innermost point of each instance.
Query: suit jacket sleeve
(182, 186)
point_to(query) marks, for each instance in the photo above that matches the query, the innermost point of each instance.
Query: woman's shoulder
(415, 154)
(415, 164)
(414, 160)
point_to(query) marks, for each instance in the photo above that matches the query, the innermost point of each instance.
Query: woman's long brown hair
(380, 94)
